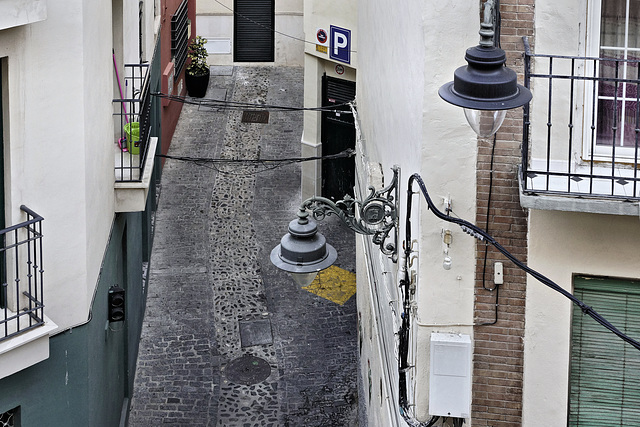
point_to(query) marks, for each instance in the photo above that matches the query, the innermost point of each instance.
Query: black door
(338, 134)
(253, 34)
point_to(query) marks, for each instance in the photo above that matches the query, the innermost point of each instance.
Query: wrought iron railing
(180, 37)
(21, 275)
(133, 124)
(581, 132)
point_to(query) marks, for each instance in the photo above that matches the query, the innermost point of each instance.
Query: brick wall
(498, 351)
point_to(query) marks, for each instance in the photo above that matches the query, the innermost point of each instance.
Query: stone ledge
(26, 349)
(573, 203)
(132, 196)
(14, 13)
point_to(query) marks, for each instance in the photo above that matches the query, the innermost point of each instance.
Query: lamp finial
(487, 26)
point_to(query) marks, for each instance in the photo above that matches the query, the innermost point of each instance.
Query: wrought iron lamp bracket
(376, 215)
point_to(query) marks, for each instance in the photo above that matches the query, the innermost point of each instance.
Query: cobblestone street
(229, 340)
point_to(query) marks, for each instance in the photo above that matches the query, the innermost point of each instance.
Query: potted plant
(197, 75)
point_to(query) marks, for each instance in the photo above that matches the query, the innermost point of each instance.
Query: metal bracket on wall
(376, 215)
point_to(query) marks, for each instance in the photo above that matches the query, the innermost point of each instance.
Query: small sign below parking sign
(340, 44)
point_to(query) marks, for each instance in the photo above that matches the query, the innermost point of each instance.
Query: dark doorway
(338, 134)
(253, 35)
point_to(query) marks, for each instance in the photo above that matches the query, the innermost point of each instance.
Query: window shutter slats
(605, 372)
(254, 31)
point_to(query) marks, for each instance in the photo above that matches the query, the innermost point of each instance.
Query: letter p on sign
(340, 49)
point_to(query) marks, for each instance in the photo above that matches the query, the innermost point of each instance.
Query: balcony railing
(133, 124)
(581, 132)
(21, 274)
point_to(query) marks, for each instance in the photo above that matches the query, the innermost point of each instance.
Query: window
(254, 39)
(605, 371)
(10, 418)
(617, 99)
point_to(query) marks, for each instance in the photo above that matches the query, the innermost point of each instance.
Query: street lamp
(303, 251)
(485, 88)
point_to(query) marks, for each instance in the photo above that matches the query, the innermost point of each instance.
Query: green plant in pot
(197, 75)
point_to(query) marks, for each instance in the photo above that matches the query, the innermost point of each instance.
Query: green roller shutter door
(605, 371)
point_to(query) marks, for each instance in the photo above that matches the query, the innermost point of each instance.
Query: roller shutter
(254, 22)
(338, 134)
(604, 387)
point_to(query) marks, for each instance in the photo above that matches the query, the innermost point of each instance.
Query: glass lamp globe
(485, 123)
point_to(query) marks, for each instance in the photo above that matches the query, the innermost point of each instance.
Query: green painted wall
(89, 372)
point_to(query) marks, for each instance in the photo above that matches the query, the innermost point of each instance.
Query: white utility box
(450, 375)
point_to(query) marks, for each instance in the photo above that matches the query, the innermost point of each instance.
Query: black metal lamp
(485, 88)
(303, 251)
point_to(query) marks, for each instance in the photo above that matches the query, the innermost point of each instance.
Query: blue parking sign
(340, 44)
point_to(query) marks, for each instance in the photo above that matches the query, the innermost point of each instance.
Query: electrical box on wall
(450, 375)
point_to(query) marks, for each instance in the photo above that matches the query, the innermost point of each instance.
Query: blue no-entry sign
(340, 44)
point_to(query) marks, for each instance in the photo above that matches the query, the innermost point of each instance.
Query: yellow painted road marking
(335, 284)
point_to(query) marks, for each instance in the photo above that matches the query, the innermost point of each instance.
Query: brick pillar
(498, 348)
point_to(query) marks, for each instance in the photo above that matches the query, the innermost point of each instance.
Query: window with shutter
(604, 383)
(613, 35)
(254, 38)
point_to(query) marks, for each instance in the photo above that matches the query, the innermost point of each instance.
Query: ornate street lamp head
(303, 251)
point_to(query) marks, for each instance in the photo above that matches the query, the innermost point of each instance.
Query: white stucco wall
(215, 20)
(14, 13)
(405, 53)
(59, 144)
(560, 29)
(448, 152)
(563, 244)
(324, 14)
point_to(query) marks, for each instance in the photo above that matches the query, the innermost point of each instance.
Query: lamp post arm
(376, 215)
(480, 234)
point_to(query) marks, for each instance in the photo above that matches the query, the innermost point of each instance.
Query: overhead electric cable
(267, 164)
(480, 234)
(234, 105)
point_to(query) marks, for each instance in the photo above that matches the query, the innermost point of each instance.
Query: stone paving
(229, 340)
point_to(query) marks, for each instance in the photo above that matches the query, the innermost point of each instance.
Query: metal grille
(336, 93)
(251, 116)
(8, 419)
(180, 37)
(568, 147)
(136, 109)
(21, 271)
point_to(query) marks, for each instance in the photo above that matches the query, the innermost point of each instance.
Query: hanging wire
(482, 235)
(495, 288)
(263, 165)
(240, 106)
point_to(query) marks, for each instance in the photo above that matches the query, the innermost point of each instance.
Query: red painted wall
(171, 109)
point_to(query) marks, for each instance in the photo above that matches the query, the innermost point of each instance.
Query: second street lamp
(485, 88)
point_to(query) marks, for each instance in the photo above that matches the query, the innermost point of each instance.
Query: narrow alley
(227, 339)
